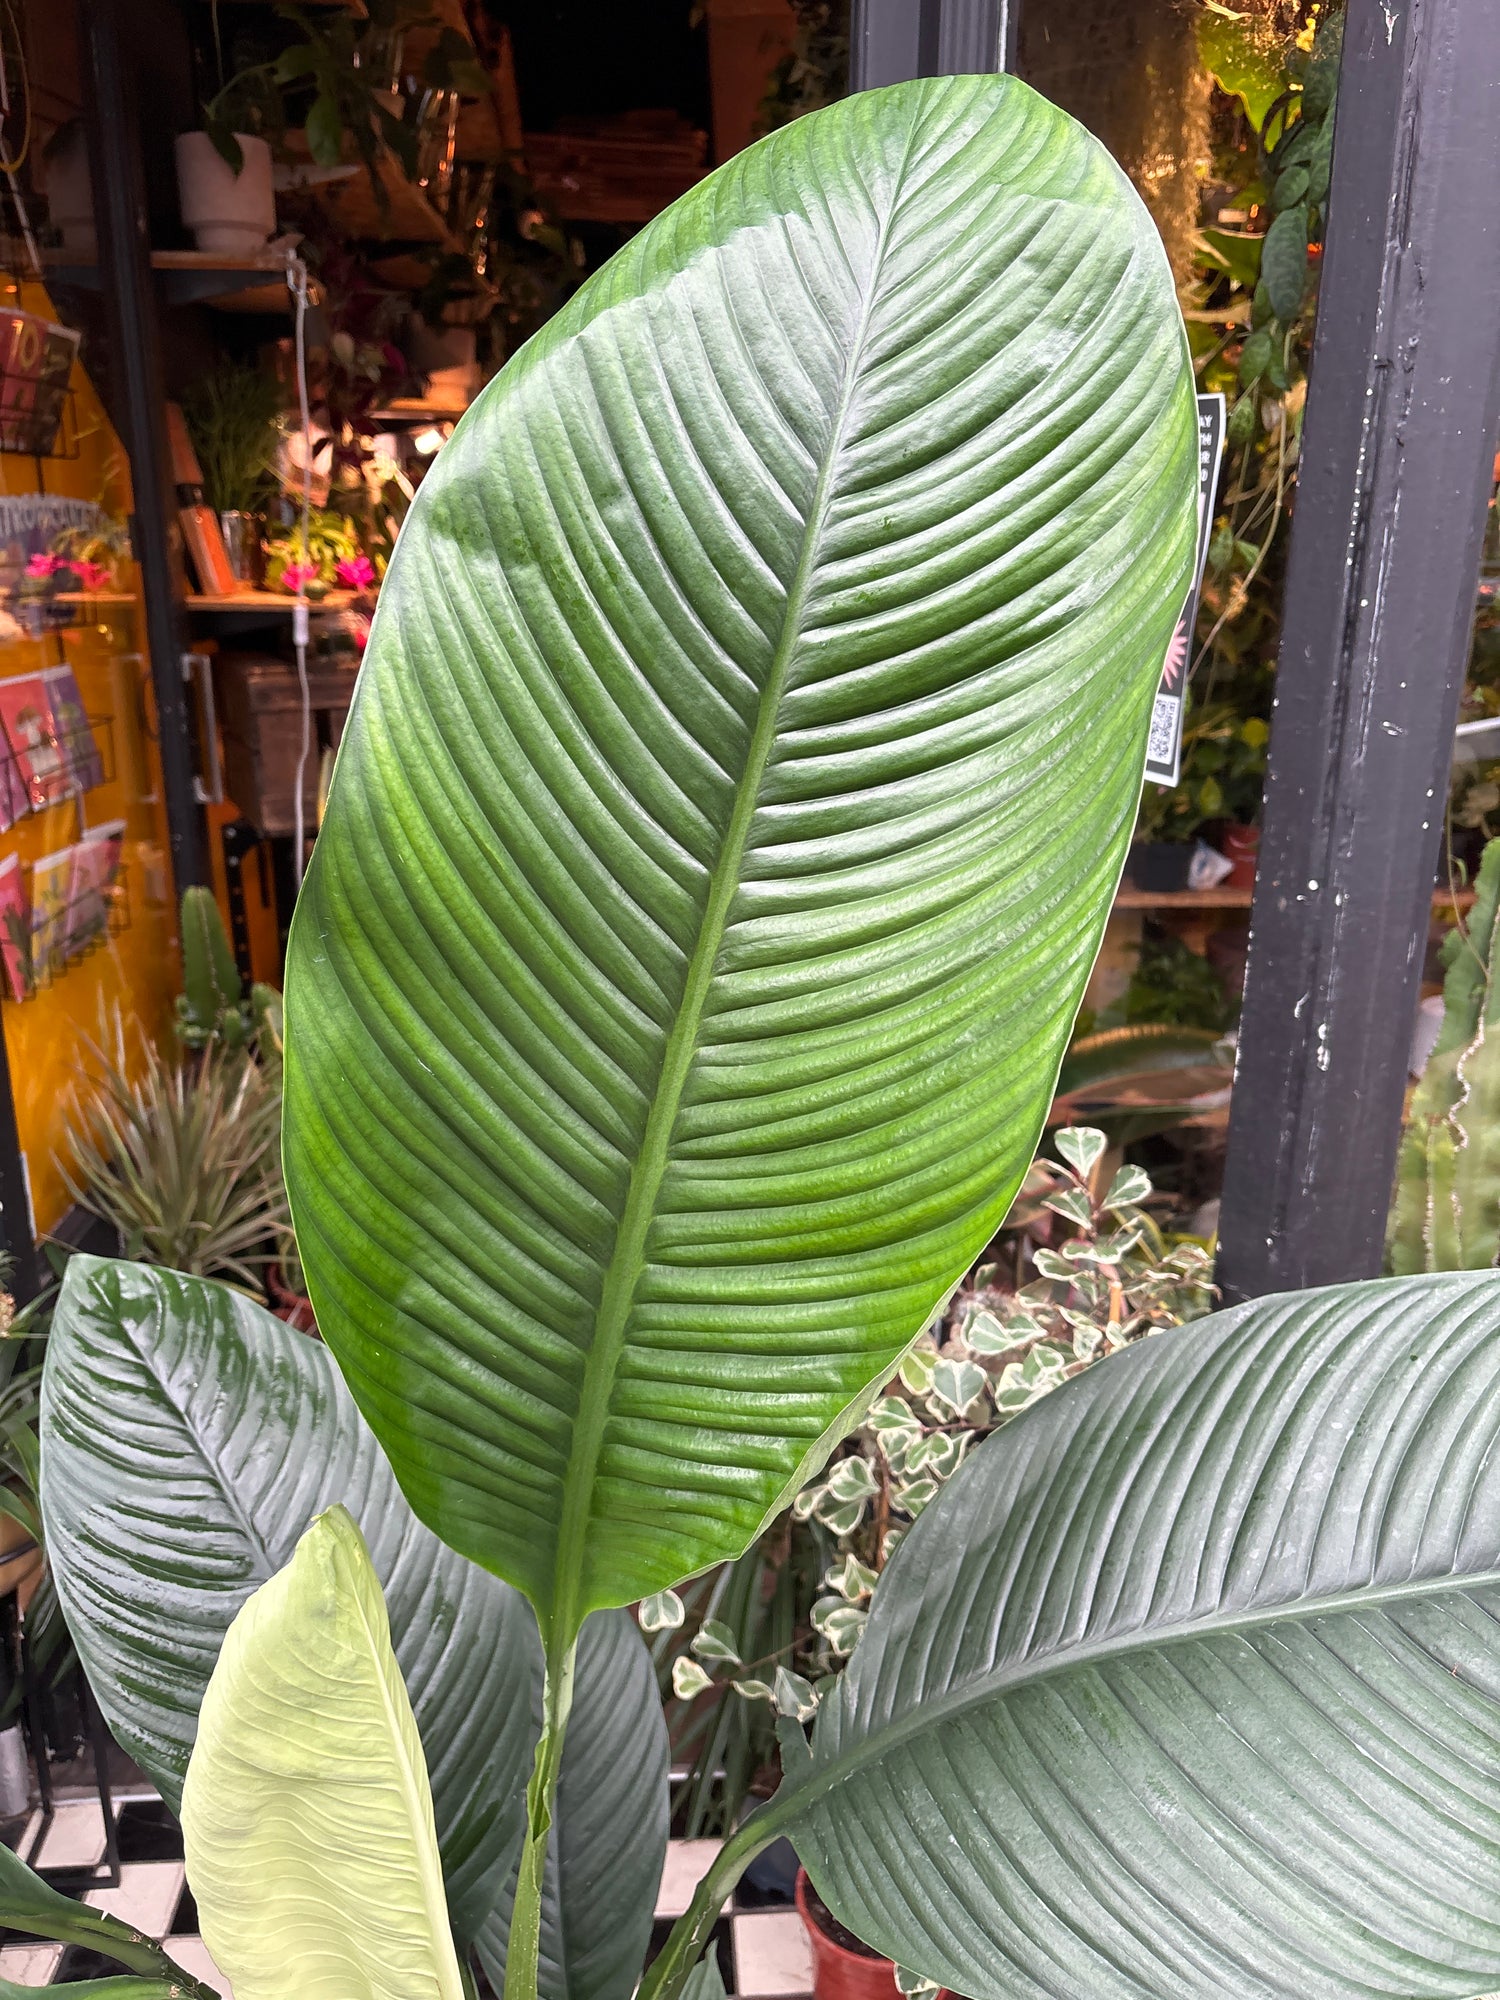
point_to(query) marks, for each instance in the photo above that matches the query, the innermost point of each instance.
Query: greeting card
(15, 928)
(31, 731)
(51, 885)
(96, 864)
(75, 739)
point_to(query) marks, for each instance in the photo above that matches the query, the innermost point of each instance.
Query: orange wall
(137, 969)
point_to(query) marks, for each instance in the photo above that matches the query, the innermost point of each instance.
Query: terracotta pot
(838, 1973)
(229, 213)
(294, 1307)
(1240, 845)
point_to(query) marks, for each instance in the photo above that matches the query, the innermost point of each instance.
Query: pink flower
(94, 576)
(355, 572)
(45, 565)
(297, 576)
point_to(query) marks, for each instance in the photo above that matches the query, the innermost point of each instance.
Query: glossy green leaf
(123, 1988)
(307, 1821)
(609, 1836)
(738, 780)
(189, 1440)
(35, 1909)
(1189, 1683)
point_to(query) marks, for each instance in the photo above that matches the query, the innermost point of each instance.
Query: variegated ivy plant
(993, 1352)
(740, 773)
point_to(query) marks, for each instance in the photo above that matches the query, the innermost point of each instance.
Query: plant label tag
(1164, 743)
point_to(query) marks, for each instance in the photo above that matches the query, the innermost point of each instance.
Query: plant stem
(669, 1970)
(541, 1797)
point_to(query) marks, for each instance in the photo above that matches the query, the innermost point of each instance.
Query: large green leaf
(307, 1821)
(609, 1836)
(189, 1439)
(737, 783)
(1189, 1683)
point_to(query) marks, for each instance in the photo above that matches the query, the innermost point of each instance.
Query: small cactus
(211, 1008)
(1446, 1212)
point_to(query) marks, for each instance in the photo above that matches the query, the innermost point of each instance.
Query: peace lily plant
(740, 774)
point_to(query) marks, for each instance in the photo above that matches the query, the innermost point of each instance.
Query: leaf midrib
(562, 1619)
(932, 1711)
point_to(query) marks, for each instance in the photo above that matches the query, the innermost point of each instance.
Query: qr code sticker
(1161, 747)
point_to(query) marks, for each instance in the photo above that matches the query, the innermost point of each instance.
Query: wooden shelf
(267, 600)
(410, 410)
(1131, 898)
(254, 283)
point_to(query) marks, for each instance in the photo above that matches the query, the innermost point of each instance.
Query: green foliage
(182, 1157)
(1110, 1280)
(1175, 986)
(330, 539)
(180, 1414)
(330, 78)
(232, 412)
(35, 1909)
(1250, 316)
(1445, 1215)
(682, 1012)
(211, 1007)
(1223, 765)
(1224, 1608)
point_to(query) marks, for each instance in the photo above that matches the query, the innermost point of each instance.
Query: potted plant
(232, 415)
(843, 1967)
(634, 1142)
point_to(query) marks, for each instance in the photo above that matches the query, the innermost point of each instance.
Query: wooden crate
(260, 712)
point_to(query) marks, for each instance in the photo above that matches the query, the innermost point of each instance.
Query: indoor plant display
(232, 414)
(701, 909)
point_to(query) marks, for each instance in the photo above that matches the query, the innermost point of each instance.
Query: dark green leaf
(1321, 82)
(1290, 189)
(1239, 431)
(325, 130)
(1283, 263)
(1188, 1683)
(740, 773)
(190, 1438)
(1255, 357)
(299, 60)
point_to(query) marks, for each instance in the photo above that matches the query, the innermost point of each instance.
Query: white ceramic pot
(231, 214)
(70, 197)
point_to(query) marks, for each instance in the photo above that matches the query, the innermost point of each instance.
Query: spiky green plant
(183, 1159)
(1446, 1211)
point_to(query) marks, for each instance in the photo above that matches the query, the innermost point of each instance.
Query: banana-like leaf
(307, 1821)
(1189, 1683)
(36, 1909)
(736, 787)
(609, 1834)
(189, 1438)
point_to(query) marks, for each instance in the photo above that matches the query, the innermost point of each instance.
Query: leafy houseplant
(232, 412)
(1445, 1215)
(182, 1159)
(695, 1109)
(740, 775)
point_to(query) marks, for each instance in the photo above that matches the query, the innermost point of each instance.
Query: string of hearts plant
(739, 777)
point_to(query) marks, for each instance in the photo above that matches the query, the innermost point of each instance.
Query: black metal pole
(1395, 471)
(125, 259)
(17, 1242)
(891, 41)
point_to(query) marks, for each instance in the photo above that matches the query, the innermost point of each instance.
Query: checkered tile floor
(763, 1952)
